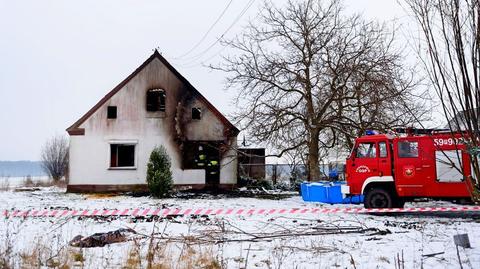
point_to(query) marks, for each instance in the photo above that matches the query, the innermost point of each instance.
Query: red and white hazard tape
(144, 212)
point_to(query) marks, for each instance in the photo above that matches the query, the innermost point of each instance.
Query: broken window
(111, 112)
(122, 155)
(155, 100)
(196, 113)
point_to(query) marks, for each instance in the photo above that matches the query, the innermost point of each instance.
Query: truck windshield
(366, 150)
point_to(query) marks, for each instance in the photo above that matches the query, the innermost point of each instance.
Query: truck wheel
(378, 198)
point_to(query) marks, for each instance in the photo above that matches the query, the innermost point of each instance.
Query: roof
(76, 130)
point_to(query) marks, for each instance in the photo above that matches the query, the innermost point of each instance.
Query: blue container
(314, 191)
(327, 192)
(304, 192)
(334, 194)
(356, 199)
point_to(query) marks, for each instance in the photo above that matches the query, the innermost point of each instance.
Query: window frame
(404, 156)
(115, 110)
(380, 151)
(133, 143)
(448, 156)
(162, 96)
(199, 109)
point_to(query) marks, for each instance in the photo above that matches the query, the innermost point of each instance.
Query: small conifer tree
(159, 175)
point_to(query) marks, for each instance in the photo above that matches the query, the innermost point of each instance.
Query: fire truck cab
(391, 169)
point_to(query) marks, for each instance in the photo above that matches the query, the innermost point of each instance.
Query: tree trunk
(313, 166)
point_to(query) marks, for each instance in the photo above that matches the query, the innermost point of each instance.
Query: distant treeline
(20, 169)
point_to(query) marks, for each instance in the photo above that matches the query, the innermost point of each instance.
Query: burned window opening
(122, 155)
(156, 100)
(196, 113)
(111, 112)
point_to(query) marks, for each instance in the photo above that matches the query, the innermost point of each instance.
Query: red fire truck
(389, 169)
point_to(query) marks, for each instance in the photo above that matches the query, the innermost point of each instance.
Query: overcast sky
(58, 58)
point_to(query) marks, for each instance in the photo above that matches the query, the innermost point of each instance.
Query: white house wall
(90, 153)
(229, 164)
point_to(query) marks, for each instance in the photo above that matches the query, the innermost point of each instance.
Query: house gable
(76, 129)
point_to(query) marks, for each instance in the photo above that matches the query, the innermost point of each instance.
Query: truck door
(364, 164)
(384, 159)
(410, 174)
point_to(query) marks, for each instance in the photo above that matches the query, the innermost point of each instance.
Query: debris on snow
(102, 239)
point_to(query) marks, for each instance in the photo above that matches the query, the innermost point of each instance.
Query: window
(155, 100)
(122, 155)
(366, 150)
(382, 147)
(196, 113)
(407, 149)
(111, 112)
(449, 165)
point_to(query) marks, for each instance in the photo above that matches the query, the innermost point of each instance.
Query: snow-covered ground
(258, 241)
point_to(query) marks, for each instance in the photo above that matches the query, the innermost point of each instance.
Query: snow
(411, 235)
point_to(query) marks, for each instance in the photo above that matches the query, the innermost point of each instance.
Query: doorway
(203, 155)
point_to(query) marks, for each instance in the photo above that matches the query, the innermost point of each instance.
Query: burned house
(111, 144)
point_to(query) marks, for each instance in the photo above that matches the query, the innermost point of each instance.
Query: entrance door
(212, 171)
(212, 164)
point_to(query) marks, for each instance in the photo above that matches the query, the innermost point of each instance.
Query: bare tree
(450, 48)
(309, 77)
(54, 157)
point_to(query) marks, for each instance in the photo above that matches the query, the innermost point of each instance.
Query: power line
(209, 30)
(204, 61)
(249, 4)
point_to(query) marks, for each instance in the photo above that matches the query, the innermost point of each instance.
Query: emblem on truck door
(362, 169)
(409, 171)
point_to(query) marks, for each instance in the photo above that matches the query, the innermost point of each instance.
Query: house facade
(111, 144)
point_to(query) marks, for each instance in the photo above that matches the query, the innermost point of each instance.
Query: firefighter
(201, 157)
(213, 165)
